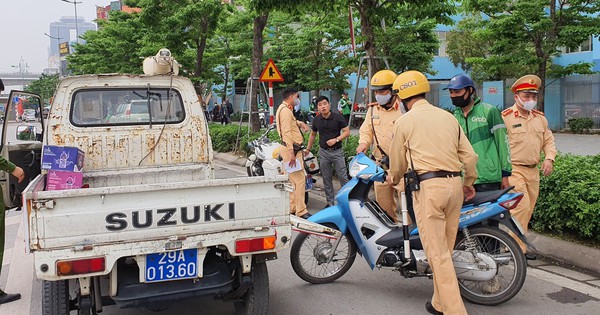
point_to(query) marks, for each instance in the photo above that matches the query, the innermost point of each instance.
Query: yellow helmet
(383, 79)
(410, 83)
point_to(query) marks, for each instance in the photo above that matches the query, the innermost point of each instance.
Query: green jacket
(344, 105)
(486, 131)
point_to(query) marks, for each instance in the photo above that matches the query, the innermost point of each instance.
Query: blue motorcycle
(489, 264)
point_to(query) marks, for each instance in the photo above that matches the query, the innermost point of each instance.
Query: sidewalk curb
(569, 253)
(573, 254)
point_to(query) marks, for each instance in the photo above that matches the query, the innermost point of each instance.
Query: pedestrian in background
(17, 172)
(528, 135)
(332, 129)
(288, 128)
(376, 133)
(224, 114)
(344, 106)
(486, 131)
(430, 149)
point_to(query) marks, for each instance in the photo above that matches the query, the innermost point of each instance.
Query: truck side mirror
(27, 132)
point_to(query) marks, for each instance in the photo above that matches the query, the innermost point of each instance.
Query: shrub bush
(569, 200)
(579, 125)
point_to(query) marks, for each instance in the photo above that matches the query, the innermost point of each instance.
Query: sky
(23, 24)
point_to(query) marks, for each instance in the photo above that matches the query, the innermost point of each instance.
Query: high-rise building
(65, 31)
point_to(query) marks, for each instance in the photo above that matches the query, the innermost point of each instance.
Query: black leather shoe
(529, 256)
(6, 298)
(431, 310)
(305, 216)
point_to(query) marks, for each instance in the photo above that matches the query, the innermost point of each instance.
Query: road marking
(20, 278)
(564, 282)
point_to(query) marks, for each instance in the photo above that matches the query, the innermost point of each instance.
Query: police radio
(411, 178)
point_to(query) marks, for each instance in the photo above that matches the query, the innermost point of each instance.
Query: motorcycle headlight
(355, 168)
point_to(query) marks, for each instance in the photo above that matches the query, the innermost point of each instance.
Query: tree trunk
(257, 53)
(542, 89)
(368, 33)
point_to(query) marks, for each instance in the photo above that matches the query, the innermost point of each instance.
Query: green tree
(310, 50)
(44, 86)
(522, 36)
(113, 48)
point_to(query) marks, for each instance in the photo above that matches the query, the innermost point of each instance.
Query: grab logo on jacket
(479, 119)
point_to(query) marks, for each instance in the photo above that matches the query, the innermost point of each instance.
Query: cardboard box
(61, 180)
(62, 158)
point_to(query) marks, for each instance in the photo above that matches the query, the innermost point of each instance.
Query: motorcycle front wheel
(511, 264)
(309, 255)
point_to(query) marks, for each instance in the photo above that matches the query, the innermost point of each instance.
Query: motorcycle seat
(487, 196)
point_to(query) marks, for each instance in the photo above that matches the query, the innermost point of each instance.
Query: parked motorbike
(489, 264)
(266, 160)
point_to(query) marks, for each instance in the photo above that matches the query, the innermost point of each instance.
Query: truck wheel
(256, 300)
(55, 298)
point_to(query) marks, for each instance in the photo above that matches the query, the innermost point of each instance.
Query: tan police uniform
(287, 127)
(528, 136)
(437, 144)
(383, 123)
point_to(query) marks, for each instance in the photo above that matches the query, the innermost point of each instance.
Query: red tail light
(255, 244)
(81, 266)
(511, 203)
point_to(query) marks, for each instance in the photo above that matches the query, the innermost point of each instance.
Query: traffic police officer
(430, 149)
(291, 136)
(376, 133)
(528, 135)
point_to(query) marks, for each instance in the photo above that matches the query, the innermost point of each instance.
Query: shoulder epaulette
(538, 112)
(507, 111)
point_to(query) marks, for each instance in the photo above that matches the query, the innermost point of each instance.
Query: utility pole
(76, 25)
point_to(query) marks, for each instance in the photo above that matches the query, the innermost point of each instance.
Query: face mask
(529, 105)
(460, 101)
(296, 104)
(383, 99)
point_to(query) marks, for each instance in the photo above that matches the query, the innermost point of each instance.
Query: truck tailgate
(128, 214)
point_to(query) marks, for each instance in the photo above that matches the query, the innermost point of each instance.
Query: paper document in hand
(291, 169)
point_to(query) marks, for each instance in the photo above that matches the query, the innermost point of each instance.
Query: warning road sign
(270, 73)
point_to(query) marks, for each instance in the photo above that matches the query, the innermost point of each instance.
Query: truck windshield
(126, 106)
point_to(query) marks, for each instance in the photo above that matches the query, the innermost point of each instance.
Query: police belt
(436, 174)
(529, 166)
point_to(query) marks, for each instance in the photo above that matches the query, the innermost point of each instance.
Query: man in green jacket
(486, 131)
(7, 166)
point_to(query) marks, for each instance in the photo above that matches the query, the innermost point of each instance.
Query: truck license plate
(181, 264)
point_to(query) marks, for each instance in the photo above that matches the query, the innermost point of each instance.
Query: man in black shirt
(332, 129)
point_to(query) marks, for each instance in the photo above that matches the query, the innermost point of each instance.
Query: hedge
(224, 138)
(569, 200)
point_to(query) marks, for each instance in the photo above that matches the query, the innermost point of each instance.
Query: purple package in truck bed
(62, 158)
(61, 180)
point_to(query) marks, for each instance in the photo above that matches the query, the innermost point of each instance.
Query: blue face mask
(383, 99)
(296, 104)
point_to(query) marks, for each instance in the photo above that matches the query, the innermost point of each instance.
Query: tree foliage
(44, 86)
(514, 38)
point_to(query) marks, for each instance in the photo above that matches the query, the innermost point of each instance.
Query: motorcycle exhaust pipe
(405, 226)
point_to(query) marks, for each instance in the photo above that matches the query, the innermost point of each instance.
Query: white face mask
(529, 105)
(383, 99)
(296, 104)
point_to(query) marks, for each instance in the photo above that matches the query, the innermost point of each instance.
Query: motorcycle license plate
(181, 264)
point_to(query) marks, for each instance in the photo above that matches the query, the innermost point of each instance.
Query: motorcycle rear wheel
(309, 252)
(511, 264)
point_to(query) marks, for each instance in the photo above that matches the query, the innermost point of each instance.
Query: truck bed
(138, 219)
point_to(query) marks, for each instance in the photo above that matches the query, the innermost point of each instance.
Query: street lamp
(76, 27)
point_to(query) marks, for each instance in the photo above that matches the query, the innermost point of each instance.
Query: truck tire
(256, 300)
(55, 298)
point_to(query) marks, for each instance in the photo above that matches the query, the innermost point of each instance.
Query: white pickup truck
(151, 225)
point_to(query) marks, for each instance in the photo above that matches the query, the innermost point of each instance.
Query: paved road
(548, 289)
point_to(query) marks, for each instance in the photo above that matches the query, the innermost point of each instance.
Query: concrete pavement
(563, 252)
